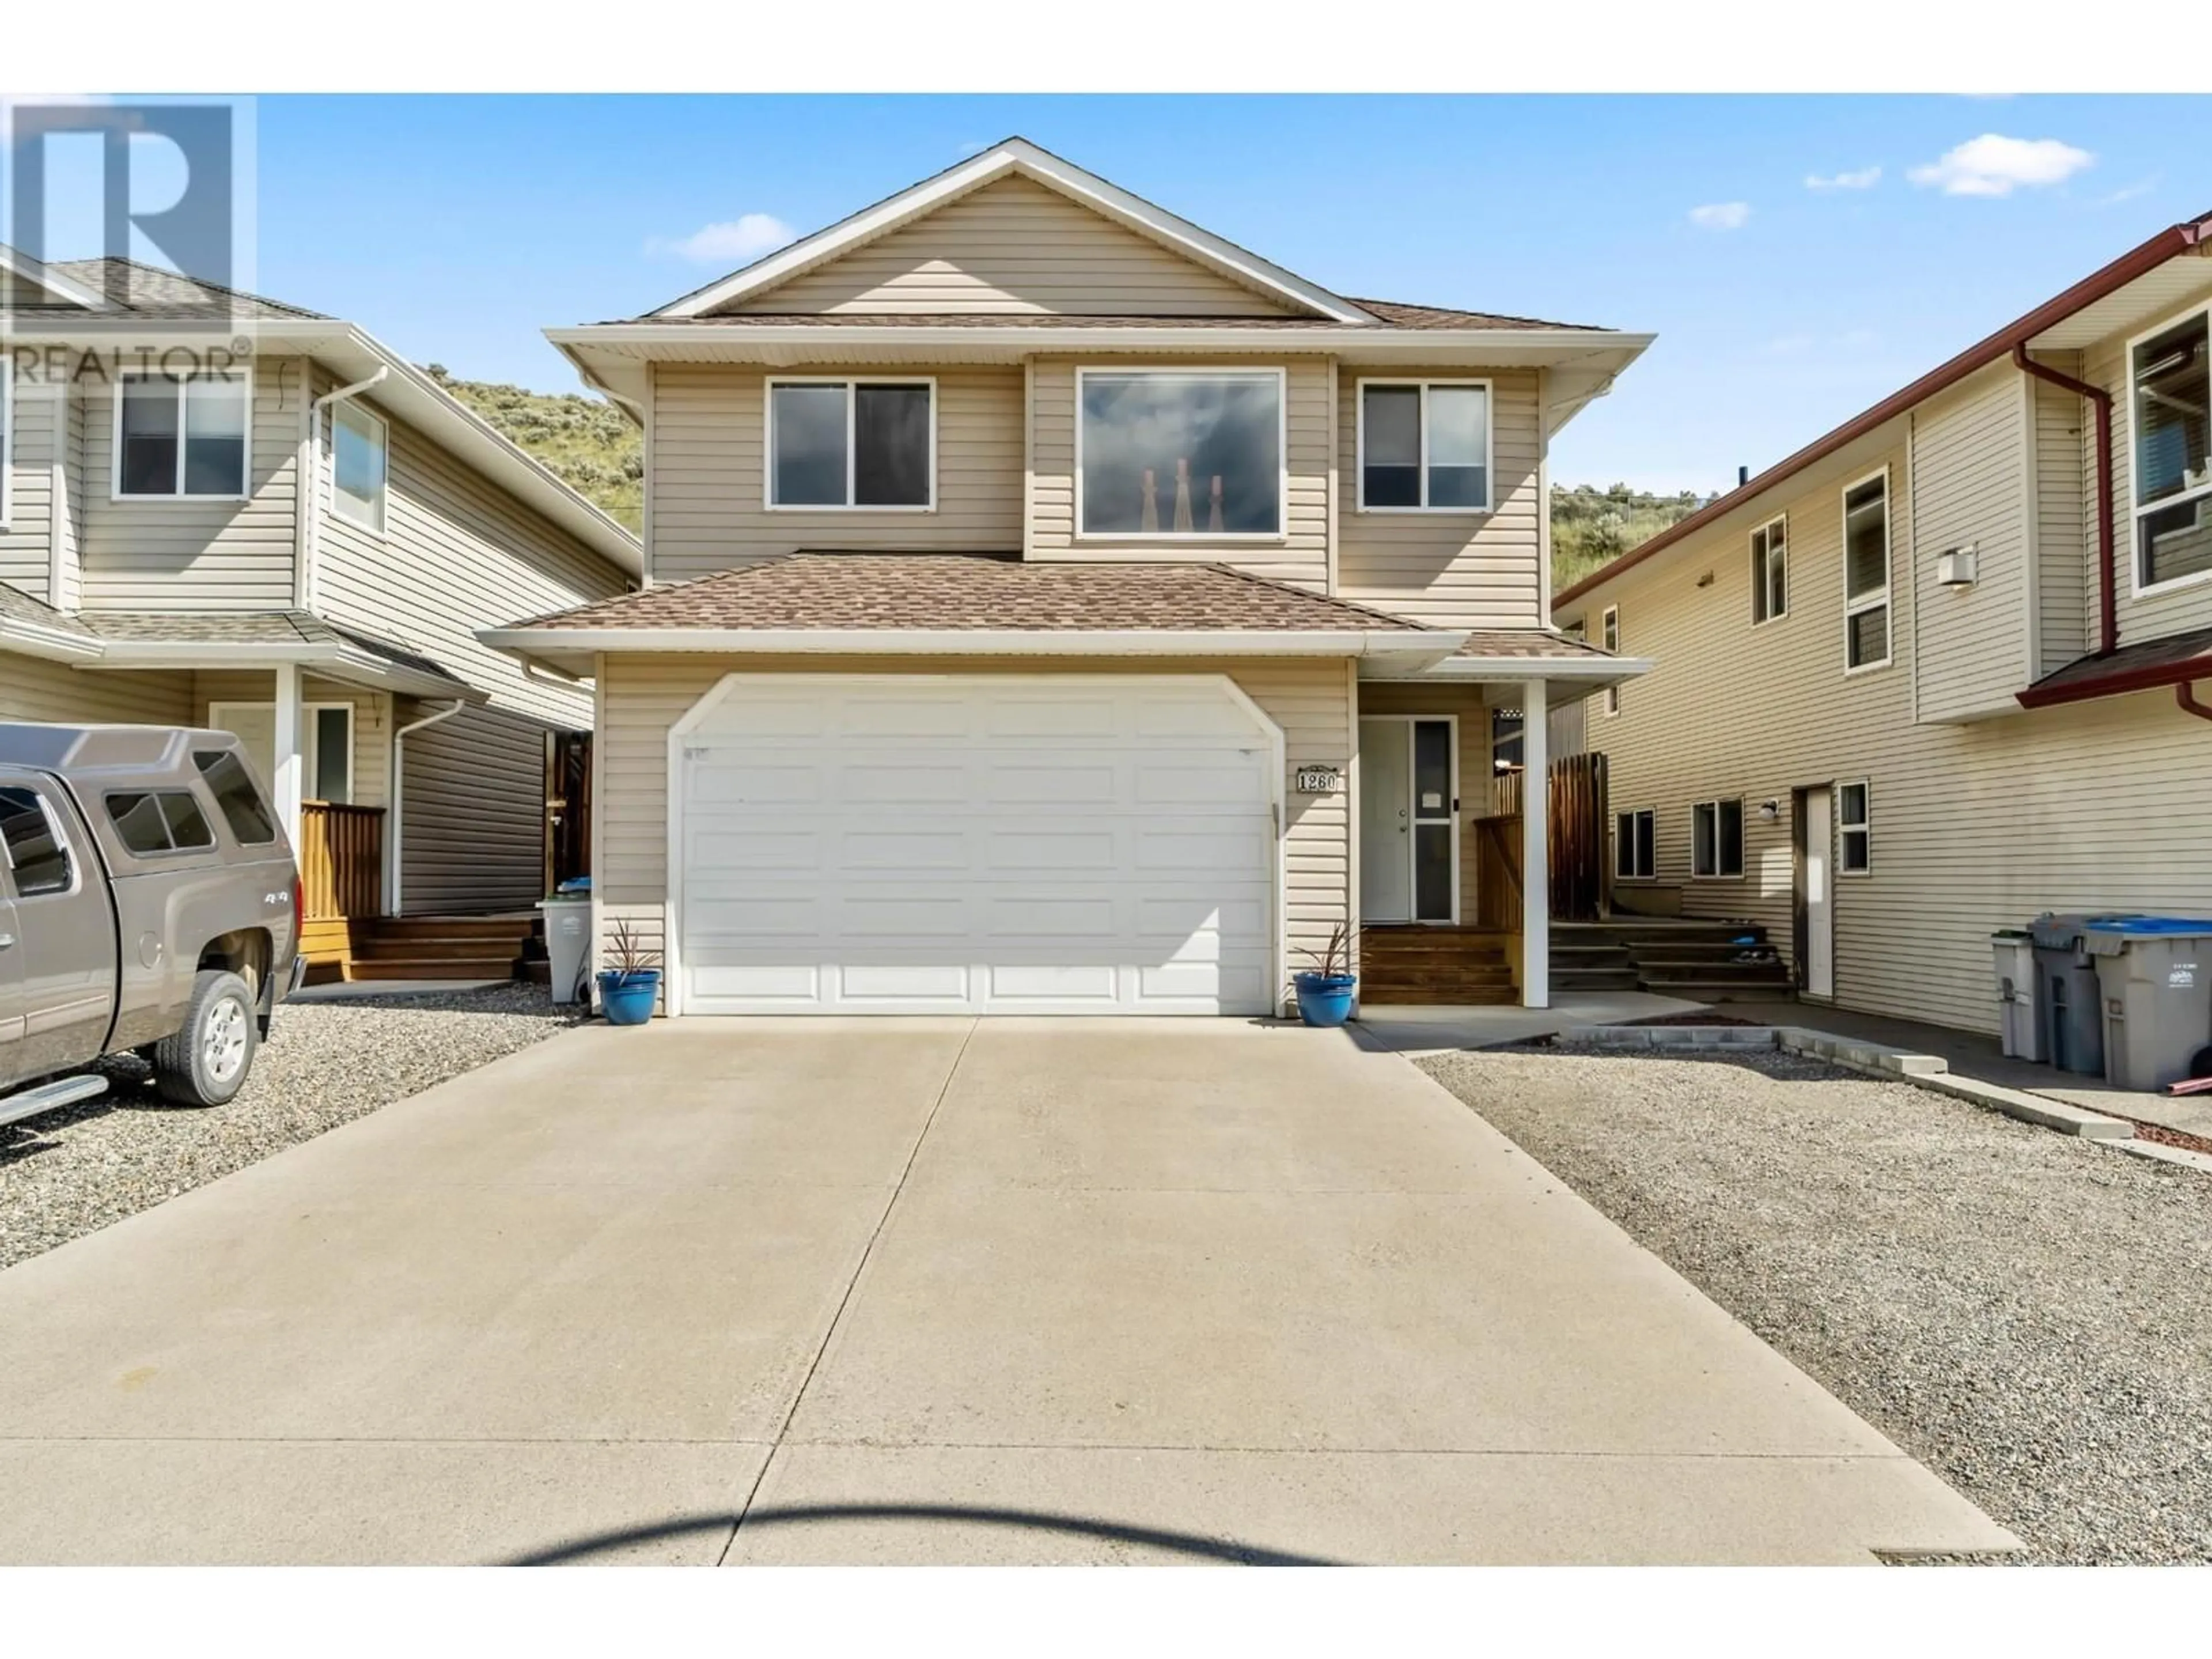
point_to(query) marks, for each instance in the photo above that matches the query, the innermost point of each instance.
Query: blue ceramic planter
(1325, 998)
(627, 999)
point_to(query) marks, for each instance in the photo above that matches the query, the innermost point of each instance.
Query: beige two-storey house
(220, 510)
(1051, 606)
(1931, 675)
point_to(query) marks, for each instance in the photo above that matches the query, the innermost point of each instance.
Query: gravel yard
(73, 1171)
(2028, 1314)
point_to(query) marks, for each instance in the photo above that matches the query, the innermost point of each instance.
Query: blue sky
(456, 228)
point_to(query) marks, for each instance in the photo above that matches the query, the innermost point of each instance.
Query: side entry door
(64, 928)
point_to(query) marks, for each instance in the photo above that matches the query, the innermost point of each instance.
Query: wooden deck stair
(1435, 965)
(429, 947)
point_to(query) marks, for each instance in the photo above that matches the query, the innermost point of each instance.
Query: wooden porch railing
(1498, 872)
(341, 861)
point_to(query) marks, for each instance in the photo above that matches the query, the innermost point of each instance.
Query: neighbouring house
(1930, 674)
(157, 565)
(1051, 606)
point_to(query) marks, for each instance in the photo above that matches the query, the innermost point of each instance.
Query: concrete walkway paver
(1018, 1289)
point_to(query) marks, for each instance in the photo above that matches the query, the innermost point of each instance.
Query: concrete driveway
(902, 1290)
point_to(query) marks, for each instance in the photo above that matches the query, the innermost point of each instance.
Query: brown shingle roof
(1524, 642)
(972, 592)
(1392, 314)
(148, 291)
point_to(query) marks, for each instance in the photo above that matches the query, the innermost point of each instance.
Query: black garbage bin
(2073, 1009)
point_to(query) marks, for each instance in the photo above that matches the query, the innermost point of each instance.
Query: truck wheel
(205, 1061)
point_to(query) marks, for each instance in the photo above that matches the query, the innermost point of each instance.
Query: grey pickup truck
(147, 903)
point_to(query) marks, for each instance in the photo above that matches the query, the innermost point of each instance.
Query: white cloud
(732, 241)
(1861, 178)
(1720, 216)
(1993, 165)
(2128, 192)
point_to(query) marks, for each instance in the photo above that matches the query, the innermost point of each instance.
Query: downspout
(2185, 695)
(310, 505)
(2108, 629)
(398, 769)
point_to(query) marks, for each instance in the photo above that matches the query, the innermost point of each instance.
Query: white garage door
(989, 844)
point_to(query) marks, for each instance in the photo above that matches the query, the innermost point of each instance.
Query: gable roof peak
(1010, 155)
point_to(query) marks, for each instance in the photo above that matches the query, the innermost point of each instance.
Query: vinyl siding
(1014, 246)
(709, 472)
(32, 688)
(37, 422)
(1300, 556)
(196, 555)
(2065, 540)
(644, 696)
(1968, 485)
(457, 555)
(2179, 609)
(1976, 825)
(1451, 569)
(473, 792)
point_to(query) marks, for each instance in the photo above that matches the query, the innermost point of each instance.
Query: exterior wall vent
(1955, 566)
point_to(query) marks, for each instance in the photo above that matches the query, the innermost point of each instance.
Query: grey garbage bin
(2070, 1006)
(567, 942)
(2018, 1007)
(2155, 976)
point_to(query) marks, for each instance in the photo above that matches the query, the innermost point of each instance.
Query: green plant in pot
(629, 985)
(1325, 990)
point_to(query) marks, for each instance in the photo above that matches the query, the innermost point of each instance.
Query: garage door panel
(962, 846)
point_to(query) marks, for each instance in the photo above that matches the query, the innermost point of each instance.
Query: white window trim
(217, 712)
(1608, 635)
(1864, 826)
(1868, 601)
(2137, 588)
(1489, 447)
(115, 490)
(1743, 853)
(341, 504)
(1759, 593)
(1633, 813)
(851, 383)
(1196, 372)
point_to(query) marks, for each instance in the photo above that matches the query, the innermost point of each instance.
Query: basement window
(2169, 389)
(852, 444)
(1716, 839)
(1634, 845)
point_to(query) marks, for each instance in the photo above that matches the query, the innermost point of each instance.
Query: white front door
(975, 844)
(326, 744)
(1408, 820)
(1818, 894)
(1386, 820)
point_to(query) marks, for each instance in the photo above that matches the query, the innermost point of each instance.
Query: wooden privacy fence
(1498, 872)
(341, 861)
(1576, 800)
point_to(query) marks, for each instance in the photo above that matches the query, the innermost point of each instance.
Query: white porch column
(1536, 850)
(289, 780)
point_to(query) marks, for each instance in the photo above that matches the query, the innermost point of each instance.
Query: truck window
(240, 802)
(159, 821)
(35, 845)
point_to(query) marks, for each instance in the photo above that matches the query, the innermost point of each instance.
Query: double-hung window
(1425, 446)
(1184, 454)
(361, 446)
(1770, 571)
(869, 444)
(1854, 828)
(178, 437)
(1716, 839)
(1609, 636)
(1634, 852)
(2167, 390)
(1866, 573)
